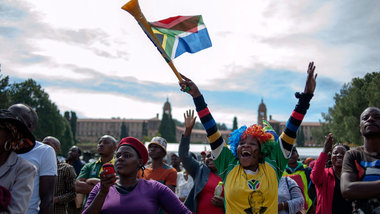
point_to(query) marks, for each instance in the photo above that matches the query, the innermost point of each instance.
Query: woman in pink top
(327, 180)
(128, 194)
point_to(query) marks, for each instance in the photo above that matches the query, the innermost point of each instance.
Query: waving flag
(181, 34)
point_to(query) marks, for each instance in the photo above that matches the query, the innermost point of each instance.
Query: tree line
(50, 121)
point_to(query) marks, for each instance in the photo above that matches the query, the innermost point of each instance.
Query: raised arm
(289, 135)
(189, 163)
(318, 174)
(208, 122)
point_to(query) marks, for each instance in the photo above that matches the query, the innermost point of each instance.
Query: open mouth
(246, 154)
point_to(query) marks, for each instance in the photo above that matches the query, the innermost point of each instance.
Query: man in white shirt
(43, 158)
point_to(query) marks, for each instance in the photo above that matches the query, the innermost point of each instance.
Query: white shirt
(43, 158)
(183, 186)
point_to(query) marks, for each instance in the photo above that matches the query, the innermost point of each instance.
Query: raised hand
(311, 79)
(106, 181)
(192, 88)
(189, 119)
(328, 143)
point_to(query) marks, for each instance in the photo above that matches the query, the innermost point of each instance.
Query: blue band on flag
(193, 43)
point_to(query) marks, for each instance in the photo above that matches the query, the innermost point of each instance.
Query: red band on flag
(297, 115)
(203, 112)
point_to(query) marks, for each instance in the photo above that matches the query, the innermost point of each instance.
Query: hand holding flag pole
(134, 9)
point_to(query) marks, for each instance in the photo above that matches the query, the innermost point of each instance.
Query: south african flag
(181, 34)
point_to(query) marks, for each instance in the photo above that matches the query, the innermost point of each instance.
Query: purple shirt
(147, 197)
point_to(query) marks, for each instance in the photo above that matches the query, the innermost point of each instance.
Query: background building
(89, 130)
(304, 134)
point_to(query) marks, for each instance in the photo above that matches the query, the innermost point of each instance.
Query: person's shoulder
(41, 147)
(168, 167)
(25, 165)
(152, 184)
(355, 152)
(65, 165)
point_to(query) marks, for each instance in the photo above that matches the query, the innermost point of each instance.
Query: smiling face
(127, 162)
(209, 161)
(337, 155)
(249, 153)
(370, 122)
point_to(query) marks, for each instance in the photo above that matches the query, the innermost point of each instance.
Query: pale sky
(91, 56)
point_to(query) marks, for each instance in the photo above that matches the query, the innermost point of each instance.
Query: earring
(7, 146)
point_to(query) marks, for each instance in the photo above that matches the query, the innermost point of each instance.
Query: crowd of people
(256, 171)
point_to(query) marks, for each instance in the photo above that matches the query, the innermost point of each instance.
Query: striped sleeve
(288, 136)
(208, 122)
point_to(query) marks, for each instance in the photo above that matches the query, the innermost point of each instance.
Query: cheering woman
(253, 164)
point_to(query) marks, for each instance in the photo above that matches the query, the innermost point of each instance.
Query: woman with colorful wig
(252, 165)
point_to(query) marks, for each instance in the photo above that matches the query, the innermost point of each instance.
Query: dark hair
(340, 144)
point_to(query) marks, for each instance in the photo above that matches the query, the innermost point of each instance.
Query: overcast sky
(91, 56)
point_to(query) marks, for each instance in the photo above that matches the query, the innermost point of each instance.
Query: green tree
(144, 128)
(72, 118)
(123, 131)
(167, 128)
(300, 139)
(67, 139)
(344, 117)
(221, 126)
(50, 121)
(73, 124)
(4, 93)
(235, 124)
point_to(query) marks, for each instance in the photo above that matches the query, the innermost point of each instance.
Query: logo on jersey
(254, 184)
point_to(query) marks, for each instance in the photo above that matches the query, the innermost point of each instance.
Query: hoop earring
(7, 146)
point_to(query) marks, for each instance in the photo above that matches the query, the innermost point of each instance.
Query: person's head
(174, 159)
(209, 161)
(250, 145)
(53, 142)
(106, 145)
(308, 160)
(28, 115)
(14, 135)
(370, 122)
(203, 156)
(293, 157)
(157, 148)
(131, 156)
(74, 153)
(337, 153)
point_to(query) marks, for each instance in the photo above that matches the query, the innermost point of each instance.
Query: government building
(90, 130)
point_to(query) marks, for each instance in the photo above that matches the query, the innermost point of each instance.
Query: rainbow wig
(266, 136)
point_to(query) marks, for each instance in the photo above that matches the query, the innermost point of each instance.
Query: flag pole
(134, 9)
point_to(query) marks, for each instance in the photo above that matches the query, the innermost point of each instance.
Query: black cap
(28, 141)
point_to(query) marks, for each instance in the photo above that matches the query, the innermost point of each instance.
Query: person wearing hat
(253, 163)
(127, 193)
(16, 174)
(158, 170)
(43, 158)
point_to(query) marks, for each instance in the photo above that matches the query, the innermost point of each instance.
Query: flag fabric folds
(181, 34)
